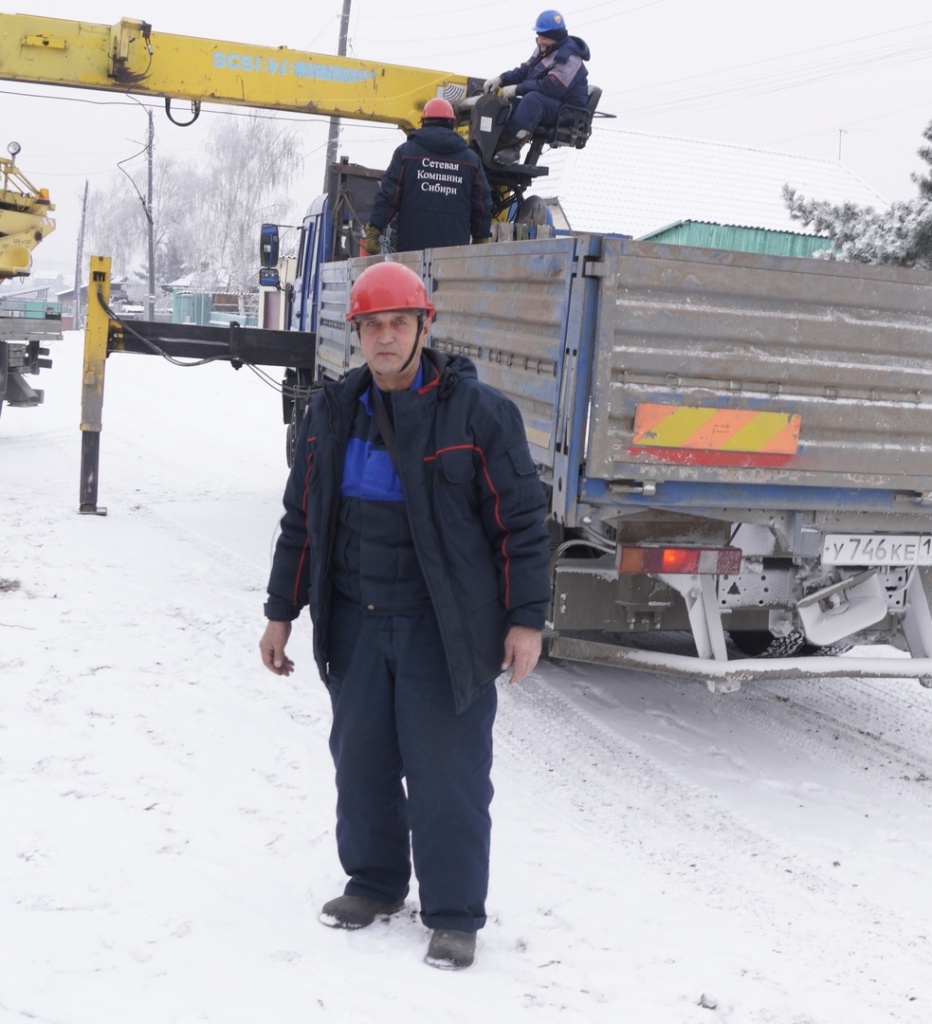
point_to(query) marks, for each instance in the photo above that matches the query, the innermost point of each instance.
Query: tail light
(657, 560)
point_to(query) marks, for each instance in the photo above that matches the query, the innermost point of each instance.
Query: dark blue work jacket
(436, 185)
(558, 71)
(473, 499)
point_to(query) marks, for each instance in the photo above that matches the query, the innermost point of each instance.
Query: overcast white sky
(816, 77)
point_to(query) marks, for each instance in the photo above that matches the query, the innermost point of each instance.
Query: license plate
(877, 549)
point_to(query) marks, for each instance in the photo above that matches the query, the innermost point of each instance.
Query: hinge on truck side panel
(594, 268)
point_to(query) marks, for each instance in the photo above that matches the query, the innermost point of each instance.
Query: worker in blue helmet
(554, 74)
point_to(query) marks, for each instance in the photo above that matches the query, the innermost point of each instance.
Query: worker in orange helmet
(414, 531)
(436, 187)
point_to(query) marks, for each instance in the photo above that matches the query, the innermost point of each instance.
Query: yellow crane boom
(131, 57)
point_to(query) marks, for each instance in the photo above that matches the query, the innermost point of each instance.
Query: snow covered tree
(252, 162)
(206, 215)
(175, 228)
(116, 226)
(900, 235)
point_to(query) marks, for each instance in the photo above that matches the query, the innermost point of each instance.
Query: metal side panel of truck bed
(740, 369)
(520, 311)
(516, 310)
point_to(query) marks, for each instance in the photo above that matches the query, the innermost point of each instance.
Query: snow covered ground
(166, 805)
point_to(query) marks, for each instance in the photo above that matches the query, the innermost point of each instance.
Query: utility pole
(334, 137)
(77, 320)
(150, 298)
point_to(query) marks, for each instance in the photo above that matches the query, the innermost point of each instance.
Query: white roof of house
(634, 183)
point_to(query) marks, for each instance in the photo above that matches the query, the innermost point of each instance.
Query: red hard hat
(385, 287)
(438, 108)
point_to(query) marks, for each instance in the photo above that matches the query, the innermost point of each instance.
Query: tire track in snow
(641, 810)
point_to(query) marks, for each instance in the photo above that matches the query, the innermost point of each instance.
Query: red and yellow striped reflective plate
(716, 430)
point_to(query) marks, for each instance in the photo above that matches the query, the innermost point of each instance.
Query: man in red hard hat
(436, 187)
(414, 530)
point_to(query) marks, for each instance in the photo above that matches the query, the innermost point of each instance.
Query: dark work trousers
(393, 719)
(532, 109)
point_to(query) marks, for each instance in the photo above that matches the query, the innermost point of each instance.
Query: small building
(118, 296)
(707, 235)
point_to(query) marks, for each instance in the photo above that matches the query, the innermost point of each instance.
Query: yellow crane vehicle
(132, 57)
(25, 324)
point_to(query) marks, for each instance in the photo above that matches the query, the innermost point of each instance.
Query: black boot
(509, 155)
(355, 912)
(509, 147)
(451, 950)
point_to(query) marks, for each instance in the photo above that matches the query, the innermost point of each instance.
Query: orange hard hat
(439, 109)
(385, 287)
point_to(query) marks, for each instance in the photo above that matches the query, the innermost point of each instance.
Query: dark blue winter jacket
(558, 72)
(436, 185)
(473, 499)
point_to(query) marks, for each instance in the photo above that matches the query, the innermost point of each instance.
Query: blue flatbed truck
(737, 448)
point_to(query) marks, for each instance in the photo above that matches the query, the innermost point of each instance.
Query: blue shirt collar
(418, 382)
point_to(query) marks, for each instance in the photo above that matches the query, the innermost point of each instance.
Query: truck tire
(827, 651)
(291, 433)
(533, 212)
(761, 643)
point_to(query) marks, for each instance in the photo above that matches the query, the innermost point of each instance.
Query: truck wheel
(291, 434)
(829, 650)
(763, 644)
(289, 443)
(298, 409)
(533, 212)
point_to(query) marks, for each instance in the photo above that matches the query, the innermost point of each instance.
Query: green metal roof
(707, 235)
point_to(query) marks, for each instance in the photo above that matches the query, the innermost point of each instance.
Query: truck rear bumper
(727, 676)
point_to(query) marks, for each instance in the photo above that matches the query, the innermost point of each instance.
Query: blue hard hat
(549, 21)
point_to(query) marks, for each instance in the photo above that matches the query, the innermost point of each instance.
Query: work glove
(492, 84)
(509, 92)
(480, 241)
(371, 241)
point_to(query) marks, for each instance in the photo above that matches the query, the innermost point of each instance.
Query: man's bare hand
(522, 651)
(272, 647)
